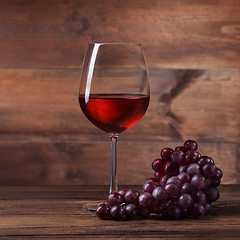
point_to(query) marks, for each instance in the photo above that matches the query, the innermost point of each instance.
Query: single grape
(175, 180)
(117, 212)
(212, 195)
(103, 211)
(171, 169)
(198, 181)
(131, 196)
(160, 194)
(131, 211)
(157, 165)
(143, 212)
(200, 197)
(157, 207)
(207, 208)
(166, 154)
(208, 169)
(172, 190)
(192, 169)
(197, 210)
(173, 211)
(145, 199)
(204, 159)
(178, 157)
(191, 156)
(149, 186)
(115, 198)
(184, 177)
(185, 201)
(218, 175)
(188, 188)
(190, 145)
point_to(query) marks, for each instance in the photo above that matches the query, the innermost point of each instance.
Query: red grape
(198, 181)
(103, 211)
(212, 195)
(184, 177)
(157, 165)
(145, 199)
(178, 157)
(131, 196)
(193, 168)
(171, 169)
(160, 194)
(191, 157)
(175, 180)
(115, 198)
(204, 159)
(209, 169)
(190, 145)
(172, 190)
(166, 154)
(131, 211)
(149, 186)
(117, 212)
(218, 175)
(185, 201)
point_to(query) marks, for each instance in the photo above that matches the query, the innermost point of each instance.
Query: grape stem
(114, 181)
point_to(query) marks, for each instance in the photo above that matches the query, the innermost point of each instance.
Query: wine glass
(114, 92)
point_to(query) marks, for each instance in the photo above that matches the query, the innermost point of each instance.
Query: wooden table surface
(49, 212)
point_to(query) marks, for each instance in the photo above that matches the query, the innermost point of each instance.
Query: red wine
(114, 113)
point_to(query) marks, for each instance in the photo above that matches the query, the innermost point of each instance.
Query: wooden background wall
(193, 53)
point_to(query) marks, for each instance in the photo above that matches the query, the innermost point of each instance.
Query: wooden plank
(51, 212)
(175, 34)
(88, 162)
(198, 104)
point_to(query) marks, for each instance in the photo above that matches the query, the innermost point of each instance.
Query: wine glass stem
(114, 181)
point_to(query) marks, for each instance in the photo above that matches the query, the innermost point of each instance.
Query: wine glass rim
(118, 43)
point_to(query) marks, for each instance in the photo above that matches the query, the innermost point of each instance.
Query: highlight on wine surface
(114, 91)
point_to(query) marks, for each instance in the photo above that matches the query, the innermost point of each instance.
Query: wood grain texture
(199, 104)
(175, 34)
(56, 212)
(87, 161)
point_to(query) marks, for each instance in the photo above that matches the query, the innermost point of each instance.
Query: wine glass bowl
(114, 91)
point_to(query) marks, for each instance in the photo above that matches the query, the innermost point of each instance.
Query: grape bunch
(184, 185)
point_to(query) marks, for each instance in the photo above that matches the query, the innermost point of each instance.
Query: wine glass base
(91, 206)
